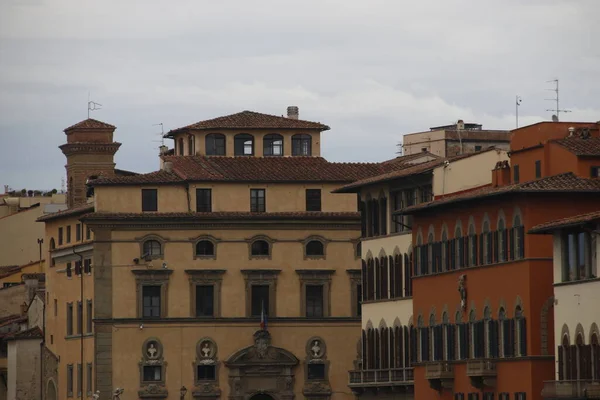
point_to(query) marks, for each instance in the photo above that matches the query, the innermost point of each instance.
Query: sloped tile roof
(589, 147)
(575, 220)
(251, 120)
(254, 169)
(90, 124)
(32, 333)
(81, 209)
(232, 215)
(567, 182)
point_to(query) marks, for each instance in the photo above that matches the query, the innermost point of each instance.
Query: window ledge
(386, 300)
(577, 282)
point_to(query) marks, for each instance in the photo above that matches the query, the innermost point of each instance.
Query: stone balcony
(393, 379)
(482, 373)
(571, 390)
(440, 375)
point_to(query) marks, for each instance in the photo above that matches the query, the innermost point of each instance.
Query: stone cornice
(74, 148)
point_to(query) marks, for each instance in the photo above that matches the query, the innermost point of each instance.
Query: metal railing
(571, 389)
(380, 377)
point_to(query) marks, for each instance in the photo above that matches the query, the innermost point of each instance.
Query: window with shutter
(452, 255)
(495, 255)
(451, 342)
(521, 234)
(481, 248)
(511, 244)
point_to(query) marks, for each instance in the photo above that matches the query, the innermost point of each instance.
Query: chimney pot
(168, 166)
(293, 112)
(571, 131)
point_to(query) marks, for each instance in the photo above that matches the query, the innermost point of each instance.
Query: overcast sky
(371, 69)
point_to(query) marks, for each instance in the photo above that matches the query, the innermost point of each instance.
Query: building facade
(455, 139)
(483, 299)
(233, 271)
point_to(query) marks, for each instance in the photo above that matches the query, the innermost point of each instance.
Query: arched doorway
(51, 391)
(261, 396)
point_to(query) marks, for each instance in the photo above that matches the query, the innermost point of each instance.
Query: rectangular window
(89, 315)
(316, 371)
(203, 200)
(69, 270)
(88, 233)
(516, 174)
(426, 193)
(88, 379)
(152, 373)
(358, 300)
(77, 267)
(151, 301)
(205, 295)
(150, 200)
(260, 300)
(70, 380)
(87, 266)
(595, 172)
(79, 380)
(313, 199)
(314, 301)
(77, 232)
(257, 200)
(206, 372)
(477, 148)
(69, 319)
(538, 169)
(60, 236)
(577, 260)
(79, 317)
(68, 233)
(55, 307)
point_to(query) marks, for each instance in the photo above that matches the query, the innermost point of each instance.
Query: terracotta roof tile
(251, 120)
(90, 124)
(589, 147)
(156, 177)
(575, 220)
(69, 212)
(226, 215)
(12, 319)
(567, 182)
(254, 169)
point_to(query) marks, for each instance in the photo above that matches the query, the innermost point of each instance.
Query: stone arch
(517, 213)
(579, 333)
(410, 321)
(501, 217)
(471, 223)
(548, 304)
(486, 218)
(51, 390)
(487, 304)
(458, 317)
(432, 312)
(519, 304)
(444, 229)
(419, 236)
(369, 255)
(431, 233)
(502, 306)
(397, 323)
(369, 325)
(382, 253)
(382, 324)
(594, 331)
(564, 333)
(458, 226)
(396, 251)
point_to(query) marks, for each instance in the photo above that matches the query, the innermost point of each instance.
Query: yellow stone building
(233, 272)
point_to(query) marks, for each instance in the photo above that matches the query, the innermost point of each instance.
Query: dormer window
(215, 144)
(301, 145)
(243, 145)
(273, 145)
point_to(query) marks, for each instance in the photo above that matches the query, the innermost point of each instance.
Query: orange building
(482, 287)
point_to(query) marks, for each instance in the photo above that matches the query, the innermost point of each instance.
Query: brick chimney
(501, 174)
(293, 112)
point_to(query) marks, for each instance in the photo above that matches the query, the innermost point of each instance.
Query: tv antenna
(518, 101)
(162, 134)
(557, 110)
(92, 105)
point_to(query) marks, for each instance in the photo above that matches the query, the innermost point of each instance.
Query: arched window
(397, 275)
(459, 248)
(52, 244)
(423, 340)
(152, 248)
(364, 345)
(595, 345)
(375, 216)
(315, 248)
(260, 248)
(385, 348)
(383, 215)
(408, 273)
(445, 250)
(506, 336)
(371, 348)
(273, 145)
(437, 340)
(472, 246)
(215, 144)
(243, 144)
(301, 145)
(502, 240)
(205, 248)
(448, 338)
(462, 333)
(413, 346)
(191, 145)
(370, 280)
(383, 276)
(584, 362)
(486, 244)
(180, 146)
(517, 245)
(377, 280)
(398, 360)
(430, 262)
(490, 328)
(520, 333)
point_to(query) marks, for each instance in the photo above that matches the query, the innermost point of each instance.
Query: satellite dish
(554, 118)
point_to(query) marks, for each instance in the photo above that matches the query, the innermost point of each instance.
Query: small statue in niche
(316, 349)
(152, 351)
(462, 290)
(206, 350)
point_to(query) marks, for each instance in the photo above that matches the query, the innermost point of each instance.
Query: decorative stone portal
(261, 371)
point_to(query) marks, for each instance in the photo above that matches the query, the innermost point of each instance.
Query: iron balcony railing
(571, 389)
(381, 377)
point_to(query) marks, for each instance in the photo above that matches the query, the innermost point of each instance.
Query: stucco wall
(24, 369)
(18, 237)
(433, 141)
(467, 173)
(11, 299)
